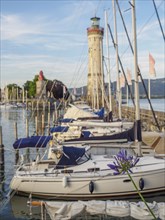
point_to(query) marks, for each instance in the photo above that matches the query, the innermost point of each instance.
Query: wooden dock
(147, 118)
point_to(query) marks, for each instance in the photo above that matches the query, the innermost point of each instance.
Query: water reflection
(20, 208)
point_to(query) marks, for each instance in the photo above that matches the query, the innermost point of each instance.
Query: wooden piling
(49, 107)
(36, 124)
(37, 106)
(55, 112)
(27, 135)
(27, 127)
(16, 138)
(32, 104)
(48, 123)
(43, 106)
(53, 119)
(15, 130)
(2, 157)
(43, 123)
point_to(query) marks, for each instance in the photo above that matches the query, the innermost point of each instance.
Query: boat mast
(156, 121)
(93, 88)
(102, 72)
(137, 104)
(108, 56)
(117, 63)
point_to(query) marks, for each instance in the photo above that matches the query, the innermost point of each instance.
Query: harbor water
(17, 208)
(157, 104)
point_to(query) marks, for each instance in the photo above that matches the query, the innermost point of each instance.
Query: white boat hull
(76, 185)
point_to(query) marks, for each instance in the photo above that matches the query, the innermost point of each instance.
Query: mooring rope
(6, 200)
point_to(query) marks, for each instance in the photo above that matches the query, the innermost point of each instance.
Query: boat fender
(45, 171)
(91, 187)
(65, 181)
(141, 183)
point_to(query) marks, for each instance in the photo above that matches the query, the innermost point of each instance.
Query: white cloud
(25, 68)
(14, 26)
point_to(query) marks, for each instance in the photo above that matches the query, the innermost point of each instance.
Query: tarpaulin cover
(70, 156)
(100, 113)
(130, 135)
(59, 129)
(66, 120)
(33, 141)
(85, 133)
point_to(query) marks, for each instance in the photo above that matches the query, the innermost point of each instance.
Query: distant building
(41, 86)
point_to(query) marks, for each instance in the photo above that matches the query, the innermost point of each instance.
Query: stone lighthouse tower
(95, 85)
(40, 86)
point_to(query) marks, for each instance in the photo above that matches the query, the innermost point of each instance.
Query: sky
(51, 35)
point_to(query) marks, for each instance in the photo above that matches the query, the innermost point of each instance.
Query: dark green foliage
(30, 87)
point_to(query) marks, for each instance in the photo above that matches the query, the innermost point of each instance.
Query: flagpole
(152, 73)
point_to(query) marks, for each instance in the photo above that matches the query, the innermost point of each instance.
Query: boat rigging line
(158, 19)
(139, 72)
(121, 65)
(7, 199)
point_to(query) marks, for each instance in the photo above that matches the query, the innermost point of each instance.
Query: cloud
(13, 27)
(29, 45)
(25, 67)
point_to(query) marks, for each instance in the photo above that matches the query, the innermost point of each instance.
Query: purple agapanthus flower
(123, 162)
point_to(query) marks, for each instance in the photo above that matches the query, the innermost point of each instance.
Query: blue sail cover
(66, 120)
(70, 156)
(128, 135)
(85, 133)
(33, 141)
(100, 113)
(59, 129)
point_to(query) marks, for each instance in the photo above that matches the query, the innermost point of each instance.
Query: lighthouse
(95, 84)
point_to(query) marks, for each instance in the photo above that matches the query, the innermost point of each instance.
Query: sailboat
(81, 125)
(72, 173)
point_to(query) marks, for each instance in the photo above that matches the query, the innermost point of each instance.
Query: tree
(12, 90)
(30, 87)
